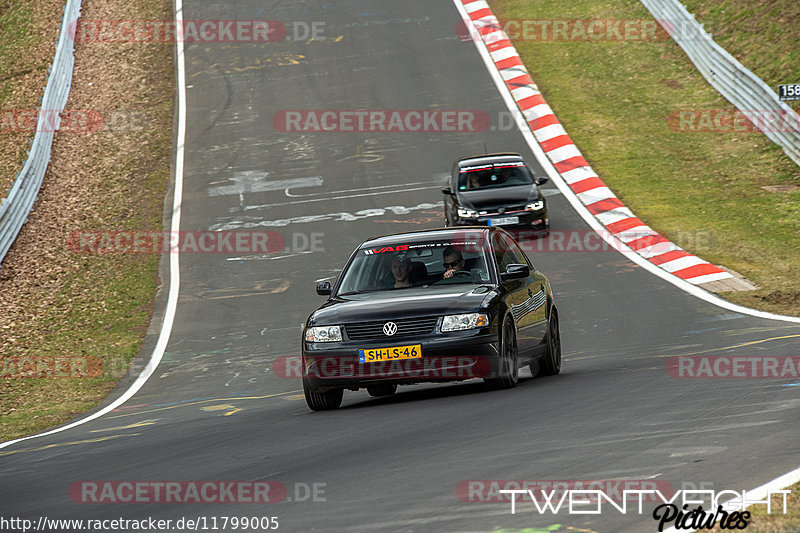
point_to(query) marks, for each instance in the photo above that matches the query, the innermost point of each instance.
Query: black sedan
(495, 190)
(430, 306)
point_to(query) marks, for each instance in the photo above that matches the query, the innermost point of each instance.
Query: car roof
(489, 159)
(429, 235)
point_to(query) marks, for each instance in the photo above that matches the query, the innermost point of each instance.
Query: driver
(453, 261)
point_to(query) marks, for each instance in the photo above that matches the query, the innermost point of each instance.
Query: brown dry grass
(28, 35)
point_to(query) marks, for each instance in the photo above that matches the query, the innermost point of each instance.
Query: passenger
(401, 269)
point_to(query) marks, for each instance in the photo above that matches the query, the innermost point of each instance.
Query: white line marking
(174, 257)
(270, 257)
(682, 262)
(549, 132)
(261, 206)
(649, 252)
(338, 217)
(595, 195)
(563, 153)
(755, 495)
(614, 215)
(697, 280)
(577, 174)
(637, 232)
(362, 189)
(254, 181)
(532, 113)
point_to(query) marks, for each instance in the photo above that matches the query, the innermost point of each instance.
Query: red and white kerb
(574, 169)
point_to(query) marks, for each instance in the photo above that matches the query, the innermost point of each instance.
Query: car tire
(381, 389)
(552, 358)
(322, 401)
(509, 359)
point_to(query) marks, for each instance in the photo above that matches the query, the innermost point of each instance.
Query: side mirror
(515, 272)
(324, 288)
(541, 180)
(447, 190)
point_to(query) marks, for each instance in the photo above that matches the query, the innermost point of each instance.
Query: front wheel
(322, 401)
(552, 359)
(509, 359)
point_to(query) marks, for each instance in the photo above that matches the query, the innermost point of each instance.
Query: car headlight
(535, 206)
(324, 334)
(466, 212)
(468, 321)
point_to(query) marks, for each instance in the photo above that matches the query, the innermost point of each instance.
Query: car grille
(491, 211)
(406, 327)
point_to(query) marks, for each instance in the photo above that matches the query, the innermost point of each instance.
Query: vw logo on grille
(389, 329)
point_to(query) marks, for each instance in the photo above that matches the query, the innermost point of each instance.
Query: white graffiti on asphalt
(254, 222)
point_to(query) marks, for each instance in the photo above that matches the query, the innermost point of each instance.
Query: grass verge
(64, 312)
(776, 521)
(703, 190)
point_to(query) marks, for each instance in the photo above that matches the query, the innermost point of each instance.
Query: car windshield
(399, 266)
(494, 176)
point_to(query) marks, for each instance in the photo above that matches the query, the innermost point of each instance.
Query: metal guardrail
(15, 207)
(737, 84)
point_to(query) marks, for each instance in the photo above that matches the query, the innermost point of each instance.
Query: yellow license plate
(395, 353)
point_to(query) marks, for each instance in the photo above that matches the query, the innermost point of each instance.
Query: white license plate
(503, 221)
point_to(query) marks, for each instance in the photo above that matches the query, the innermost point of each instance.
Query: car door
(451, 200)
(528, 296)
(537, 293)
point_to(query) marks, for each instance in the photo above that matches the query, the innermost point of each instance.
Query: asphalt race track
(215, 410)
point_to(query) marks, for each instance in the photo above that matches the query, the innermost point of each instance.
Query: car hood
(403, 303)
(501, 197)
